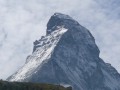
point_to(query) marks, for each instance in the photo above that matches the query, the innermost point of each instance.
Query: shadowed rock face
(73, 61)
(59, 19)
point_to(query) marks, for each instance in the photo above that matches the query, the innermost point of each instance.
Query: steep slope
(68, 55)
(4, 85)
(42, 53)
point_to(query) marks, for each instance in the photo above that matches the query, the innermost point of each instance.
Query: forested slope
(4, 85)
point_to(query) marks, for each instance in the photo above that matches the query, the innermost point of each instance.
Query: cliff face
(68, 55)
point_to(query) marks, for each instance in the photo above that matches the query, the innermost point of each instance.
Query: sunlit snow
(42, 53)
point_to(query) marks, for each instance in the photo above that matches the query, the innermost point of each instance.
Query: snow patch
(65, 85)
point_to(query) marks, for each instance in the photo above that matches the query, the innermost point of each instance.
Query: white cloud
(24, 21)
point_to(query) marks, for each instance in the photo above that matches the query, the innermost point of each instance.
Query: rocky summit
(68, 56)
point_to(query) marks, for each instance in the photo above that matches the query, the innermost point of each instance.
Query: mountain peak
(61, 16)
(59, 19)
(68, 55)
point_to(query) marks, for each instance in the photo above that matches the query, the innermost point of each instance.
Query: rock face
(68, 55)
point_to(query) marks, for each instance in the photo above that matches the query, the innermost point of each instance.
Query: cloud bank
(24, 21)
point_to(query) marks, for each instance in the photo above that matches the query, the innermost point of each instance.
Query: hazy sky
(24, 21)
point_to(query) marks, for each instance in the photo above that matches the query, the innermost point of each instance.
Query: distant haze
(24, 21)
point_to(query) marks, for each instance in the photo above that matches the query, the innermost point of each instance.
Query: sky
(24, 21)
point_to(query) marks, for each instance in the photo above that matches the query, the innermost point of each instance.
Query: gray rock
(74, 59)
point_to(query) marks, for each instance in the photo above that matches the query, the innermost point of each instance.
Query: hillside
(4, 85)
